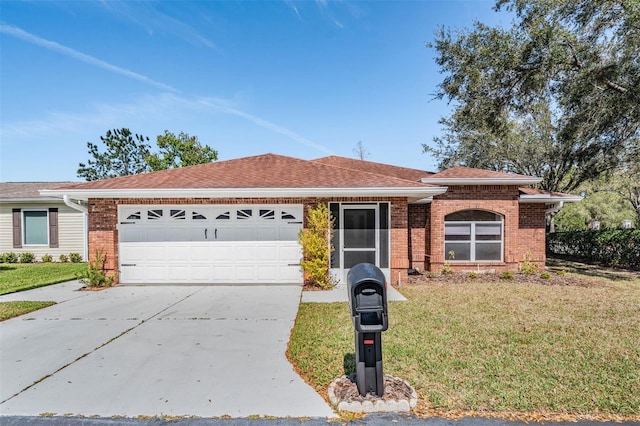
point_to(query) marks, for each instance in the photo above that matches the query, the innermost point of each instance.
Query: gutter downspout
(551, 212)
(85, 226)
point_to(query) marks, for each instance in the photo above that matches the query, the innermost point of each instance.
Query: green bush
(472, 275)
(616, 247)
(63, 258)
(96, 275)
(545, 275)
(27, 257)
(75, 257)
(10, 257)
(47, 258)
(315, 240)
(527, 267)
(506, 275)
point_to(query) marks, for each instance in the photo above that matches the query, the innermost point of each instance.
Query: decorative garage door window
(473, 235)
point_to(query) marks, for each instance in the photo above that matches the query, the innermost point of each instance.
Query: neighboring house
(237, 221)
(30, 222)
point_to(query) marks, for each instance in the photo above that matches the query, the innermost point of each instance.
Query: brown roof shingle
(261, 171)
(26, 190)
(370, 166)
(460, 172)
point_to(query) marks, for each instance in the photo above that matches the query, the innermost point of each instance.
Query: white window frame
(472, 241)
(24, 228)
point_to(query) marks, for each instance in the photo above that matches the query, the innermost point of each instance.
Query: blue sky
(300, 78)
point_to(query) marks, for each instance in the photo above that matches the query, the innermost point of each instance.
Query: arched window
(473, 235)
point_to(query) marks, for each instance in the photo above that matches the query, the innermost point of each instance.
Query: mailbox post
(366, 285)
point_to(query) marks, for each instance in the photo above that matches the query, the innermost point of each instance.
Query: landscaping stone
(398, 396)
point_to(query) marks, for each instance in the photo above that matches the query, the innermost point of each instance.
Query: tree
(180, 151)
(360, 151)
(555, 95)
(125, 154)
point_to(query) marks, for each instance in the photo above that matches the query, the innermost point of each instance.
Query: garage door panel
(155, 253)
(207, 244)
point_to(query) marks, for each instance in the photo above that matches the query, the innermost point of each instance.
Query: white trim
(548, 198)
(482, 181)
(85, 194)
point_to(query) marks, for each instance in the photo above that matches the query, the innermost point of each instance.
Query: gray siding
(71, 237)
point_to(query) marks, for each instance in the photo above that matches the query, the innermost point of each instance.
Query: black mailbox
(367, 290)
(368, 298)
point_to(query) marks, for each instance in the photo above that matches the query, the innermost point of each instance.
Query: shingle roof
(262, 171)
(460, 172)
(370, 166)
(26, 190)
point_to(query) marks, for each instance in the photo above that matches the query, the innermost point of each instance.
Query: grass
(495, 347)
(20, 277)
(14, 309)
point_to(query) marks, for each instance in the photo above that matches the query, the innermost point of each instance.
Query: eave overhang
(548, 199)
(413, 193)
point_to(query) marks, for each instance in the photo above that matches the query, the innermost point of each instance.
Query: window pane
(473, 216)
(352, 258)
(36, 227)
(488, 251)
(488, 232)
(462, 251)
(457, 232)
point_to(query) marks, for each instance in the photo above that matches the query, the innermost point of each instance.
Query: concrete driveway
(178, 351)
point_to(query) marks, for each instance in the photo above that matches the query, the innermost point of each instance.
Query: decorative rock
(399, 396)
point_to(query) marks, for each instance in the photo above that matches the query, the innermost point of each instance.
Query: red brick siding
(418, 229)
(103, 221)
(523, 226)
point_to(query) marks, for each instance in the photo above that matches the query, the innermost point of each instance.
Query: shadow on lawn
(557, 264)
(7, 268)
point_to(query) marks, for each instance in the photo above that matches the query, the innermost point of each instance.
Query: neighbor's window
(35, 227)
(473, 235)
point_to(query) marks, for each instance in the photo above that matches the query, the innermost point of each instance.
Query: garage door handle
(294, 223)
(293, 264)
(128, 264)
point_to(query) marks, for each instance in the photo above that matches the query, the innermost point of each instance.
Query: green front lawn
(20, 277)
(494, 347)
(14, 309)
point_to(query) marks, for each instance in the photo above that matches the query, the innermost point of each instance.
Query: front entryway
(200, 244)
(361, 234)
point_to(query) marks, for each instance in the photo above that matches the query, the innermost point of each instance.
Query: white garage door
(202, 244)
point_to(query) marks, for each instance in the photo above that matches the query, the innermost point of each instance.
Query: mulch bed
(518, 278)
(394, 389)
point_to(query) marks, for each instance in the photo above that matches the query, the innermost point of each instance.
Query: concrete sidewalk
(179, 351)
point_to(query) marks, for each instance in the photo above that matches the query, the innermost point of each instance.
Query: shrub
(10, 257)
(446, 268)
(506, 275)
(75, 257)
(616, 247)
(27, 257)
(561, 273)
(545, 275)
(63, 258)
(316, 246)
(472, 275)
(47, 258)
(527, 266)
(96, 275)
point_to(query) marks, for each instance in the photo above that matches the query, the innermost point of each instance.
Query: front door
(359, 235)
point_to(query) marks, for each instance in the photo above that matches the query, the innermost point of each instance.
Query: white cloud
(162, 108)
(83, 57)
(145, 15)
